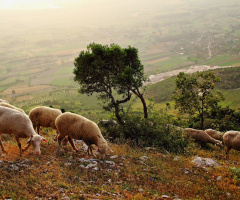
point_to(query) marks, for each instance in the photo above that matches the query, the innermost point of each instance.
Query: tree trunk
(144, 106)
(143, 102)
(117, 111)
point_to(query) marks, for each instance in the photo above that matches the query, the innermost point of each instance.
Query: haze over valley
(40, 39)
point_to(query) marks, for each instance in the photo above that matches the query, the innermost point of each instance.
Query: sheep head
(102, 148)
(220, 144)
(35, 141)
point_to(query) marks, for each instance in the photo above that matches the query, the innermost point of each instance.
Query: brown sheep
(201, 136)
(214, 134)
(80, 128)
(44, 116)
(231, 140)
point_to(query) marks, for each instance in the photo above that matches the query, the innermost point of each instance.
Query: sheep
(5, 104)
(44, 116)
(214, 134)
(231, 140)
(80, 128)
(19, 124)
(201, 137)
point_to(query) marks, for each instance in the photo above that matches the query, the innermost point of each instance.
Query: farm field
(37, 58)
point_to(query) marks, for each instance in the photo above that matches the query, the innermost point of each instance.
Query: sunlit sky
(34, 4)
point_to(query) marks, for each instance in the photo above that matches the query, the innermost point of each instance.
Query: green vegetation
(113, 73)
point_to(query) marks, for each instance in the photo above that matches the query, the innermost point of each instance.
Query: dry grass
(57, 174)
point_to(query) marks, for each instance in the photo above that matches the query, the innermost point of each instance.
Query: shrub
(156, 131)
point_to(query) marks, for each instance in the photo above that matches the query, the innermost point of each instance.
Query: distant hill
(230, 87)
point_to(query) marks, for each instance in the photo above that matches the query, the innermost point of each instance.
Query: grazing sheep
(231, 140)
(80, 128)
(214, 134)
(44, 116)
(19, 124)
(5, 104)
(201, 136)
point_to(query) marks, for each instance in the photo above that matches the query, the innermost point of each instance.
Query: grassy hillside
(229, 86)
(130, 173)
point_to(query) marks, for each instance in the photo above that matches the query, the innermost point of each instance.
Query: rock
(66, 198)
(211, 162)
(14, 167)
(67, 164)
(61, 190)
(113, 157)
(95, 168)
(219, 178)
(144, 158)
(201, 162)
(84, 147)
(111, 163)
(176, 158)
(91, 166)
(165, 197)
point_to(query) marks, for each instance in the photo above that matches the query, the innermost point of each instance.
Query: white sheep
(201, 136)
(231, 140)
(44, 116)
(5, 104)
(19, 124)
(80, 128)
(214, 134)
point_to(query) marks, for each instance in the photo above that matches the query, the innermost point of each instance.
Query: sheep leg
(26, 147)
(38, 129)
(90, 150)
(19, 145)
(72, 143)
(59, 139)
(227, 149)
(2, 146)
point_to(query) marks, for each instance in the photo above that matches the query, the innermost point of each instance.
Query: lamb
(19, 124)
(44, 116)
(201, 137)
(5, 104)
(80, 128)
(214, 134)
(231, 140)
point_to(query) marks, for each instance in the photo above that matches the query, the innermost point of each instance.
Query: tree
(194, 94)
(114, 73)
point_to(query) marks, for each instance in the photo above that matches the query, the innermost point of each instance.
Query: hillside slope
(230, 83)
(126, 174)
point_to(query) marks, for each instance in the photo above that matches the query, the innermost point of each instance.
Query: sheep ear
(43, 139)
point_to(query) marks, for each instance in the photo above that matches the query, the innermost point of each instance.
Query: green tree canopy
(114, 73)
(194, 93)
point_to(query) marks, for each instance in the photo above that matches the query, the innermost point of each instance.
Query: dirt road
(160, 77)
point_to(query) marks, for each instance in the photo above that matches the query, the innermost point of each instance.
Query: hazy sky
(37, 4)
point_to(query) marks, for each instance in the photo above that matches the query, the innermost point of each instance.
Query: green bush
(156, 131)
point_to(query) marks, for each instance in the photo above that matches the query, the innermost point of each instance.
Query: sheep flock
(71, 126)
